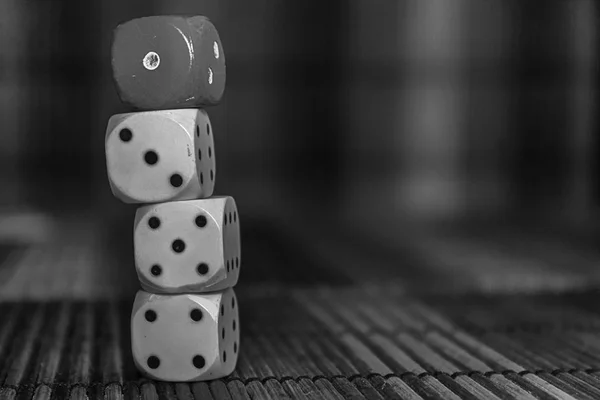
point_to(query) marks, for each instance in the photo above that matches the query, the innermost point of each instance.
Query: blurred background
(385, 156)
(391, 160)
(367, 112)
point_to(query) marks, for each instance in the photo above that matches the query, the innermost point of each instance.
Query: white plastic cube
(159, 156)
(185, 337)
(188, 246)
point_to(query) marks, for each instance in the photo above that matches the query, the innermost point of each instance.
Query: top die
(167, 62)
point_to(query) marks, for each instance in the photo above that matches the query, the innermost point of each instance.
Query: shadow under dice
(188, 246)
(163, 62)
(159, 156)
(187, 337)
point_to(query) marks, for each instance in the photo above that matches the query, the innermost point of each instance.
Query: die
(185, 337)
(188, 246)
(168, 62)
(157, 156)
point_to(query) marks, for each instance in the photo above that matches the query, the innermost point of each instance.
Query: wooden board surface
(320, 319)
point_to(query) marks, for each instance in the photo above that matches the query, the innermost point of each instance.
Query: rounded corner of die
(125, 23)
(199, 21)
(230, 291)
(141, 296)
(231, 202)
(120, 194)
(220, 93)
(142, 278)
(114, 188)
(140, 213)
(112, 123)
(107, 135)
(202, 116)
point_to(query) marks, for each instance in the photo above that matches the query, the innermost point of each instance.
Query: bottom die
(185, 337)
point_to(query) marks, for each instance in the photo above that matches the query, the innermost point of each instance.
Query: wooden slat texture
(65, 310)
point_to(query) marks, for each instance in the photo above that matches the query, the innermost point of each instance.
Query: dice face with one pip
(188, 246)
(164, 62)
(185, 337)
(158, 156)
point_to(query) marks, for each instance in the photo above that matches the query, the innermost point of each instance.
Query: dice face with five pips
(185, 322)
(168, 62)
(188, 246)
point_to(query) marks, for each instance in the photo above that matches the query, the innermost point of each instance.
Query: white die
(188, 246)
(158, 156)
(185, 337)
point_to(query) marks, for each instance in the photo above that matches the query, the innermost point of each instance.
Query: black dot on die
(201, 221)
(227, 265)
(197, 131)
(125, 135)
(234, 325)
(151, 157)
(209, 152)
(224, 356)
(150, 315)
(223, 333)
(153, 362)
(202, 268)
(178, 246)
(230, 218)
(222, 310)
(198, 362)
(199, 154)
(208, 129)
(154, 222)
(196, 314)
(176, 180)
(156, 270)
(212, 175)
(201, 178)
(235, 347)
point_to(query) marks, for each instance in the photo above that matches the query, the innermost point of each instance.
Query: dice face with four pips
(188, 246)
(157, 156)
(185, 337)
(168, 62)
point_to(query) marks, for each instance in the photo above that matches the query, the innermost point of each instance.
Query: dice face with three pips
(157, 156)
(168, 62)
(184, 323)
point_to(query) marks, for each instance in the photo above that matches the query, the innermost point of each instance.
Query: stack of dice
(184, 323)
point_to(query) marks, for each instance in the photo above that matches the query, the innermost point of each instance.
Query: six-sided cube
(185, 326)
(157, 156)
(167, 62)
(186, 337)
(188, 246)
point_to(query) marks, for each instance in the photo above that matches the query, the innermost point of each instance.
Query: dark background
(366, 111)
